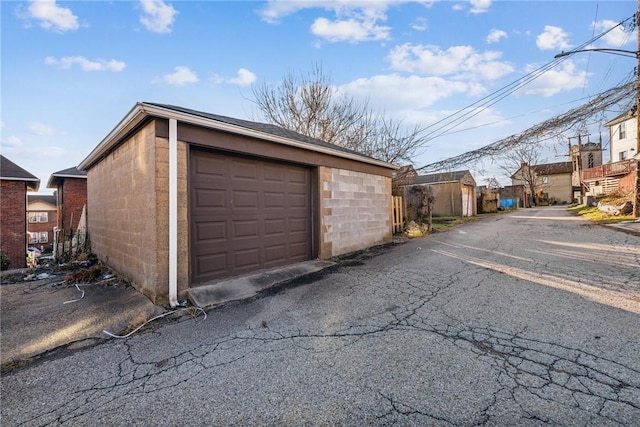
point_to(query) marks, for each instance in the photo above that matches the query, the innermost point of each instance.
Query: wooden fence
(398, 222)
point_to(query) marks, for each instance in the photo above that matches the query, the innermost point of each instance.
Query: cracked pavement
(527, 318)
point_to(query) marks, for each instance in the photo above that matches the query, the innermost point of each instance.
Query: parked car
(34, 252)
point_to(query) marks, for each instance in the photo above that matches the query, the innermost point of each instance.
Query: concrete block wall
(356, 211)
(123, 212)
(13, 217)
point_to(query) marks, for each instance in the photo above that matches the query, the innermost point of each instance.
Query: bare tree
(311, 105)
(518, 163)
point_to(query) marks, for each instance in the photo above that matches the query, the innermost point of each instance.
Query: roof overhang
(55, 179)
(32, 184)
(142, 111)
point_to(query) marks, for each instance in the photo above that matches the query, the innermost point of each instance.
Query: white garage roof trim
(143, 110)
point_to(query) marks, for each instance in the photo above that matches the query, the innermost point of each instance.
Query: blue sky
(72, 70)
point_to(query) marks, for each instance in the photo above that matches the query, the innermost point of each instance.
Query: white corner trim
(173, 212)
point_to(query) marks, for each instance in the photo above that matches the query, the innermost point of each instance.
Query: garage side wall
(356, 211)
(124, 212)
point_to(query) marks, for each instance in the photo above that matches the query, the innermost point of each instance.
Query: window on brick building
(44, 237)
(590, 160)
(38, 217)
(34, 238)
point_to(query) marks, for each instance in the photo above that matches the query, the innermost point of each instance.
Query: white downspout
(173, 212)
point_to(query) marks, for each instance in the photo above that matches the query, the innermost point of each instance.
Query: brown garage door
(246, 214)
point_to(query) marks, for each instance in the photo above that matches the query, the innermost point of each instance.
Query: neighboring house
(620, 175)
(623, 136)
(71, 188)
(454, 194)
(42, 217)
(551, 182)
(583, 156)
(15, 182)
(179, 198)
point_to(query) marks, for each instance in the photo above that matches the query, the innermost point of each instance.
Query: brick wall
(356, 211)
(73, 197)
(43, 227)
(13, 217)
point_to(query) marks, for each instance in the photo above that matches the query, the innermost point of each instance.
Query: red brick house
(42, 217)
(14, 184)
(71, 188)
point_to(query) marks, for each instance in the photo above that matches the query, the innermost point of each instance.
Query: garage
(181, 199)
(247, 214)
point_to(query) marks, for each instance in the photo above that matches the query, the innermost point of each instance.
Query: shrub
(5, 262)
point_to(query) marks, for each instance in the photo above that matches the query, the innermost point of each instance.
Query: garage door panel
(247, 258)
(211, 264)
(274, 200)
(209, 166)
(211, 231)
(244, 170)
(274, 173)
(275, 253)
(274, 227)
(245, 199)
(211, 198)
(246, 229)
(258, 214)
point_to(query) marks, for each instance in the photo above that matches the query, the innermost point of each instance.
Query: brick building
(71, 188)
(14, 184)
(42, 217)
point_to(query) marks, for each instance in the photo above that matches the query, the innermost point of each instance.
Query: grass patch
(442, 223)
(596, 216)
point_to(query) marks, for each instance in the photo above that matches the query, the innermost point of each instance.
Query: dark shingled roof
(9, 171)
(554, 168)
(259, 127)
(56, 178)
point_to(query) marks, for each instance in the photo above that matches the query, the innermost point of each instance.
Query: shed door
(467, 201)
(246, 214)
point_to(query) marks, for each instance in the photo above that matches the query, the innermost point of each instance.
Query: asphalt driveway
(527, 318)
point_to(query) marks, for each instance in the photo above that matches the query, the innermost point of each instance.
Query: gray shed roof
(440, 177)
(56, 178)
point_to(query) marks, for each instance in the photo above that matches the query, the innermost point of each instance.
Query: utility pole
(636, 191)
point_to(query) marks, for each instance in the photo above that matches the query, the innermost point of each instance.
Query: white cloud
(40, 129)
(158, 16)
(181, 76)
(355, 20)
(457, 60)
(349, 30)
(480, 6)
(12, 141)
(243, 78)
(86, 64)
(553, 38)
(393, 91)
(495, 36)
(51, 16)
(562, 78)
(618, 36)
(420, 24)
